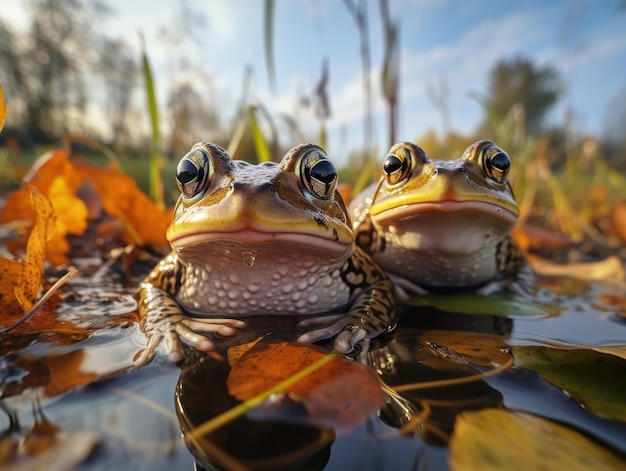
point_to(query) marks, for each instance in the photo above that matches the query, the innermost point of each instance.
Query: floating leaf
(237, 351)
(487, 350)
(593, 378)
(341, 393)
(495, 439)
(500, 304)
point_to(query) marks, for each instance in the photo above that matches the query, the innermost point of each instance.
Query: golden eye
(194, 173)
(318, 175)
(397, 166)
(496, 163)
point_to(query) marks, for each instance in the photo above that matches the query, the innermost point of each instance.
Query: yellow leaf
(70, 210)
(495, 439)
(611, 268)
(236, 351)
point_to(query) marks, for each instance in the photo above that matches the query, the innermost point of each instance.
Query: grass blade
(156, 161)
(269, 42)
(260, 143)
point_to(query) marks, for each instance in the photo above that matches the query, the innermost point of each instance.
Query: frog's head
(455, 204)
(294, 204)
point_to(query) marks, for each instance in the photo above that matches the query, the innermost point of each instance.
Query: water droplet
(249, 258)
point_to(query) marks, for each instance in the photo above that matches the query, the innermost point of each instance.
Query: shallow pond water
(77, 401)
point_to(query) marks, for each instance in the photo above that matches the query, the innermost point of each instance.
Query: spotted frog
(266, 239)
(436, 225)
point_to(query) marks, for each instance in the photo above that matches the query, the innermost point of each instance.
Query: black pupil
(392, 164)
(500, 161)
(187, 172)
(324, 171)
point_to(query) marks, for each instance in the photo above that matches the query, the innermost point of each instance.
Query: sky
(447, 45)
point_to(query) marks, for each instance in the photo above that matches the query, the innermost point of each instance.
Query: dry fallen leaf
(63, 180)
(611, 268)
(495, 439)
(618, 220)
(486, 350)
(340, 393)
(237, 351)
(20, 281)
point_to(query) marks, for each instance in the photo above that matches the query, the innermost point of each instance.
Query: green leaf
(500, 304)
(594, 379)
(495, 439)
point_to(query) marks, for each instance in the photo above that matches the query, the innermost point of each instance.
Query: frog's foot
(406, 289)
(168, 326)
(522, 284)
(349, 332)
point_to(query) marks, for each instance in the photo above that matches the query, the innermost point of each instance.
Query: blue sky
(457, 42)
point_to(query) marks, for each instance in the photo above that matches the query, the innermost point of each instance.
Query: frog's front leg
(371, 313)
(164, 322)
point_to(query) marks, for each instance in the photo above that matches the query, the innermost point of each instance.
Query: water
(59, 387)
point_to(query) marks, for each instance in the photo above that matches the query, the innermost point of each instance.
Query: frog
(444, 225)
(266, 239)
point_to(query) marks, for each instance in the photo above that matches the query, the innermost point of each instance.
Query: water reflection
(243, 443)
(62, 391)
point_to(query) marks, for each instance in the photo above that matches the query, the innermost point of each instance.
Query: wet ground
(71, 401)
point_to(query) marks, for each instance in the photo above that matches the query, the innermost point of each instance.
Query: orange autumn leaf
(3, 109)
(61, 178)
(144, 222)
(31, 274)
(9, 276)
(340, 393)
(20, 281)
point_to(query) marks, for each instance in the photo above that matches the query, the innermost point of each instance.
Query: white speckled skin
(267, 239)
(233, 279)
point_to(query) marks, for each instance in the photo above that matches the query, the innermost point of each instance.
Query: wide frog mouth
(501, 215)
(251, 238)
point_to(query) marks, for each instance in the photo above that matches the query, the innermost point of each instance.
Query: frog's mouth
(498, 214)
(249, 238)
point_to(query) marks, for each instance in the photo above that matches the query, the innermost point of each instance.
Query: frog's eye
(194, 172)
(396, 168)
(318, 175)
(496, 163)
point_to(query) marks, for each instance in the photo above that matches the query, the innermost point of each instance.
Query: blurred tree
(192, 119)
(45, 69)
(518, 80)
(120, 70)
